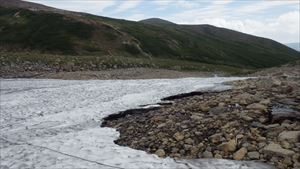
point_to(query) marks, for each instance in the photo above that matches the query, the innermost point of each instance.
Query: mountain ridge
(78, 33)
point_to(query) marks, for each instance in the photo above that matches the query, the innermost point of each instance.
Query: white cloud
(187, 4)
(222, 2)
(162, 2)
(127, 4)
(90, 6)
(137, 17)
(263, 5)
(284, 28)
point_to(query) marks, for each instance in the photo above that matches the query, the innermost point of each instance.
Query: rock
(239, 136)
(281, 114)
(178, 136)
(288, 161)
(286, 144)
(196, 118)
(174, 150)
(276, 149)
(189, 141)
(204, 108)
(240, 154)
(229, 146)
(262, 119)
(293, 136)
(194, 150)
(216, 138)
(217, 110)
(244, 98)
(257, 106)
(160, 153)
(247, 118)
(265, 102)
(218, 156)
(207, 154)
(276, 82)
(161, 125)
(272, 126)
(253, 155)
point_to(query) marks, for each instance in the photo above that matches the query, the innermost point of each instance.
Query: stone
(257, 106)
(265, 102)
(239, 136)
(204, 108)
(161, 125)
(276, 82)
(217, 110)
(216, 138)
(253, 155)
(293, 136)
(286, 145)
(247, 118)
(288, 161)
(244, 98)
(276, 149)
(160, 153)
(218, 156)
(240, 154)
(189, 141)
(194, 150)
(195, 117)
(262, 119)
(207, 154)
(229, 146)
(179, 136)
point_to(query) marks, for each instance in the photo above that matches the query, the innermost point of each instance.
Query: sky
(274, 19)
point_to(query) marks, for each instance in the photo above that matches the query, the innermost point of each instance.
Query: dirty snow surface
(56, 123)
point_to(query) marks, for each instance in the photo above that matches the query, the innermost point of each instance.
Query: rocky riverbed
(258, 119)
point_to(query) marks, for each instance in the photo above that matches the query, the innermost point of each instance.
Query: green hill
(35, 28)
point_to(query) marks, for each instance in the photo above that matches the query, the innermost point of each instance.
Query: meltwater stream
(56, 123)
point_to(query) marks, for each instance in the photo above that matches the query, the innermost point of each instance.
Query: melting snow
(56, 123)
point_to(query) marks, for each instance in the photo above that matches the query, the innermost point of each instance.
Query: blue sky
(275, 19)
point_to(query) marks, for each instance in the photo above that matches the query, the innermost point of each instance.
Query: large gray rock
(240, 154)
(276, 149)
(257, 106)
(253, 155)
(292, 136)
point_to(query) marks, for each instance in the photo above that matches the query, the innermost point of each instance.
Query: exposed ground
(259, 119)
(130, 73)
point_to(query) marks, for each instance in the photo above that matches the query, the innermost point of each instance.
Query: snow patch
(56, 123)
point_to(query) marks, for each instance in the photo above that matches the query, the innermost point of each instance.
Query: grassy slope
(91, 37)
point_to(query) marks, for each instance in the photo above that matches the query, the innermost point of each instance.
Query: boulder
(240, 154)
(207, 154)
(179, 136)
(253, 155)
(189, 141)
(293, 136)
(229, 146)
(257, 106)
(276, 149)
(216, 138)
(160, 153)
(217, 110)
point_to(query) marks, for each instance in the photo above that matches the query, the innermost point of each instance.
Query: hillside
(23, 28)
(157, 21)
